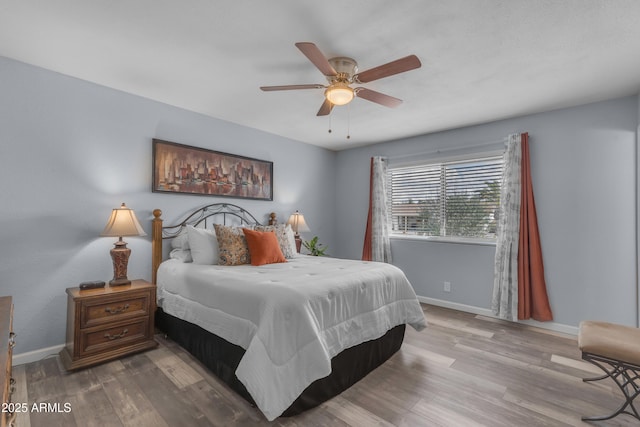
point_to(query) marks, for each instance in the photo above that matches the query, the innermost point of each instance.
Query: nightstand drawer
(109, 338)
(112, 309)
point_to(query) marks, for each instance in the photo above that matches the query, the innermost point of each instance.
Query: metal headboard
(216, 213)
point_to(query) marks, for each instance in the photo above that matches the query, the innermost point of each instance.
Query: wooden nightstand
(108, 323)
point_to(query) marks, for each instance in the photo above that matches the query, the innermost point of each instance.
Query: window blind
(459, 198)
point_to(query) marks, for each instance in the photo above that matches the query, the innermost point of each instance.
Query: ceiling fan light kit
(341, 72)
(339, 93)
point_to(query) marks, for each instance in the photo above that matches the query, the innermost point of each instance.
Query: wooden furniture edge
(6, 352)
(156, 244)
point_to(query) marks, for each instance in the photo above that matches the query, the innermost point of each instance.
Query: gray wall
(583, 163)
(70, 151)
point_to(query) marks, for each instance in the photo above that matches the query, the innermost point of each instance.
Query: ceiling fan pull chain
(329, 123)
(348, 121)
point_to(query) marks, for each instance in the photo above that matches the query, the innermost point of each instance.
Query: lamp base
(120, 256)
(119, 282)
(298, 242)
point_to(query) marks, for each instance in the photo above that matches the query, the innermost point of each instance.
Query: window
(447, 199)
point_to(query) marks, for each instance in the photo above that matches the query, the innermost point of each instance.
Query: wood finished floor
(463, 370)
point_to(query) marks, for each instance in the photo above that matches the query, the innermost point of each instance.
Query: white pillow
(181, 241)
(181, 255)
(203, 244)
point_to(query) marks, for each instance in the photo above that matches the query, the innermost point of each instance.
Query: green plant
(314, 247)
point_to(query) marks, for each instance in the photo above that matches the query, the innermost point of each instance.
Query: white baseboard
(35, 355)
(552, 326)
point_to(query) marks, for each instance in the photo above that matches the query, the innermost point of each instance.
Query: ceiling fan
(341, 72)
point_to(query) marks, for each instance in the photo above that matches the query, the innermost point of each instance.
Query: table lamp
(123, 222)
(296, 220)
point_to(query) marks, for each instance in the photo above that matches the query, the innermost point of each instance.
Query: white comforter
(291, 318)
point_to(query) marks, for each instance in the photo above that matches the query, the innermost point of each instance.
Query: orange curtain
(533, 301)
(367, 249)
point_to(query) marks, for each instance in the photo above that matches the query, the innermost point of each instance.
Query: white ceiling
(482, 60)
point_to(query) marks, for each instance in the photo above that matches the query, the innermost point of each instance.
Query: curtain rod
(450, 150)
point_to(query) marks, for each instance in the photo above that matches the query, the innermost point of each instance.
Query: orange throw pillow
(263, 247)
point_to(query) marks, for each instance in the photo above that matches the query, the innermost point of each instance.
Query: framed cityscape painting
(184, 169)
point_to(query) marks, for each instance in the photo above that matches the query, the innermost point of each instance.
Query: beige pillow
(232, 245)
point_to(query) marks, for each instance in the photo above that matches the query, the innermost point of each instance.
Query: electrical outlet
(447, 286)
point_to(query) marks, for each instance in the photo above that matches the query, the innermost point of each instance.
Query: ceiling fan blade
(398, 66)
(325, 109)
(377, 97)
(291, 87)
(312, 52)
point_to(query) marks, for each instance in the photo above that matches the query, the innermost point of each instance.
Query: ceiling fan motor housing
(345, 67)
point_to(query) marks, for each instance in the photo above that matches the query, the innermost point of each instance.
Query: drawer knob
(117, 310)
(12, 339)
(115, 337)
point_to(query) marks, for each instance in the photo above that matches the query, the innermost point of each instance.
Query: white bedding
(291, 318)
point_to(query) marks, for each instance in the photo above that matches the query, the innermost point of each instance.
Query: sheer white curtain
(505, 286)
(380, 243)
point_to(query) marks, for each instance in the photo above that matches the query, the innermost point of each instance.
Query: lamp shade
(297, 222)
(123, 222)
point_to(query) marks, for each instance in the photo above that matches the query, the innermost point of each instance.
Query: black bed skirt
(222, 358)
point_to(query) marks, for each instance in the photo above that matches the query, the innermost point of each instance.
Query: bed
(284, 335)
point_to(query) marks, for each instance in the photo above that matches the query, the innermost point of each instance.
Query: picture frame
(184, 169)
